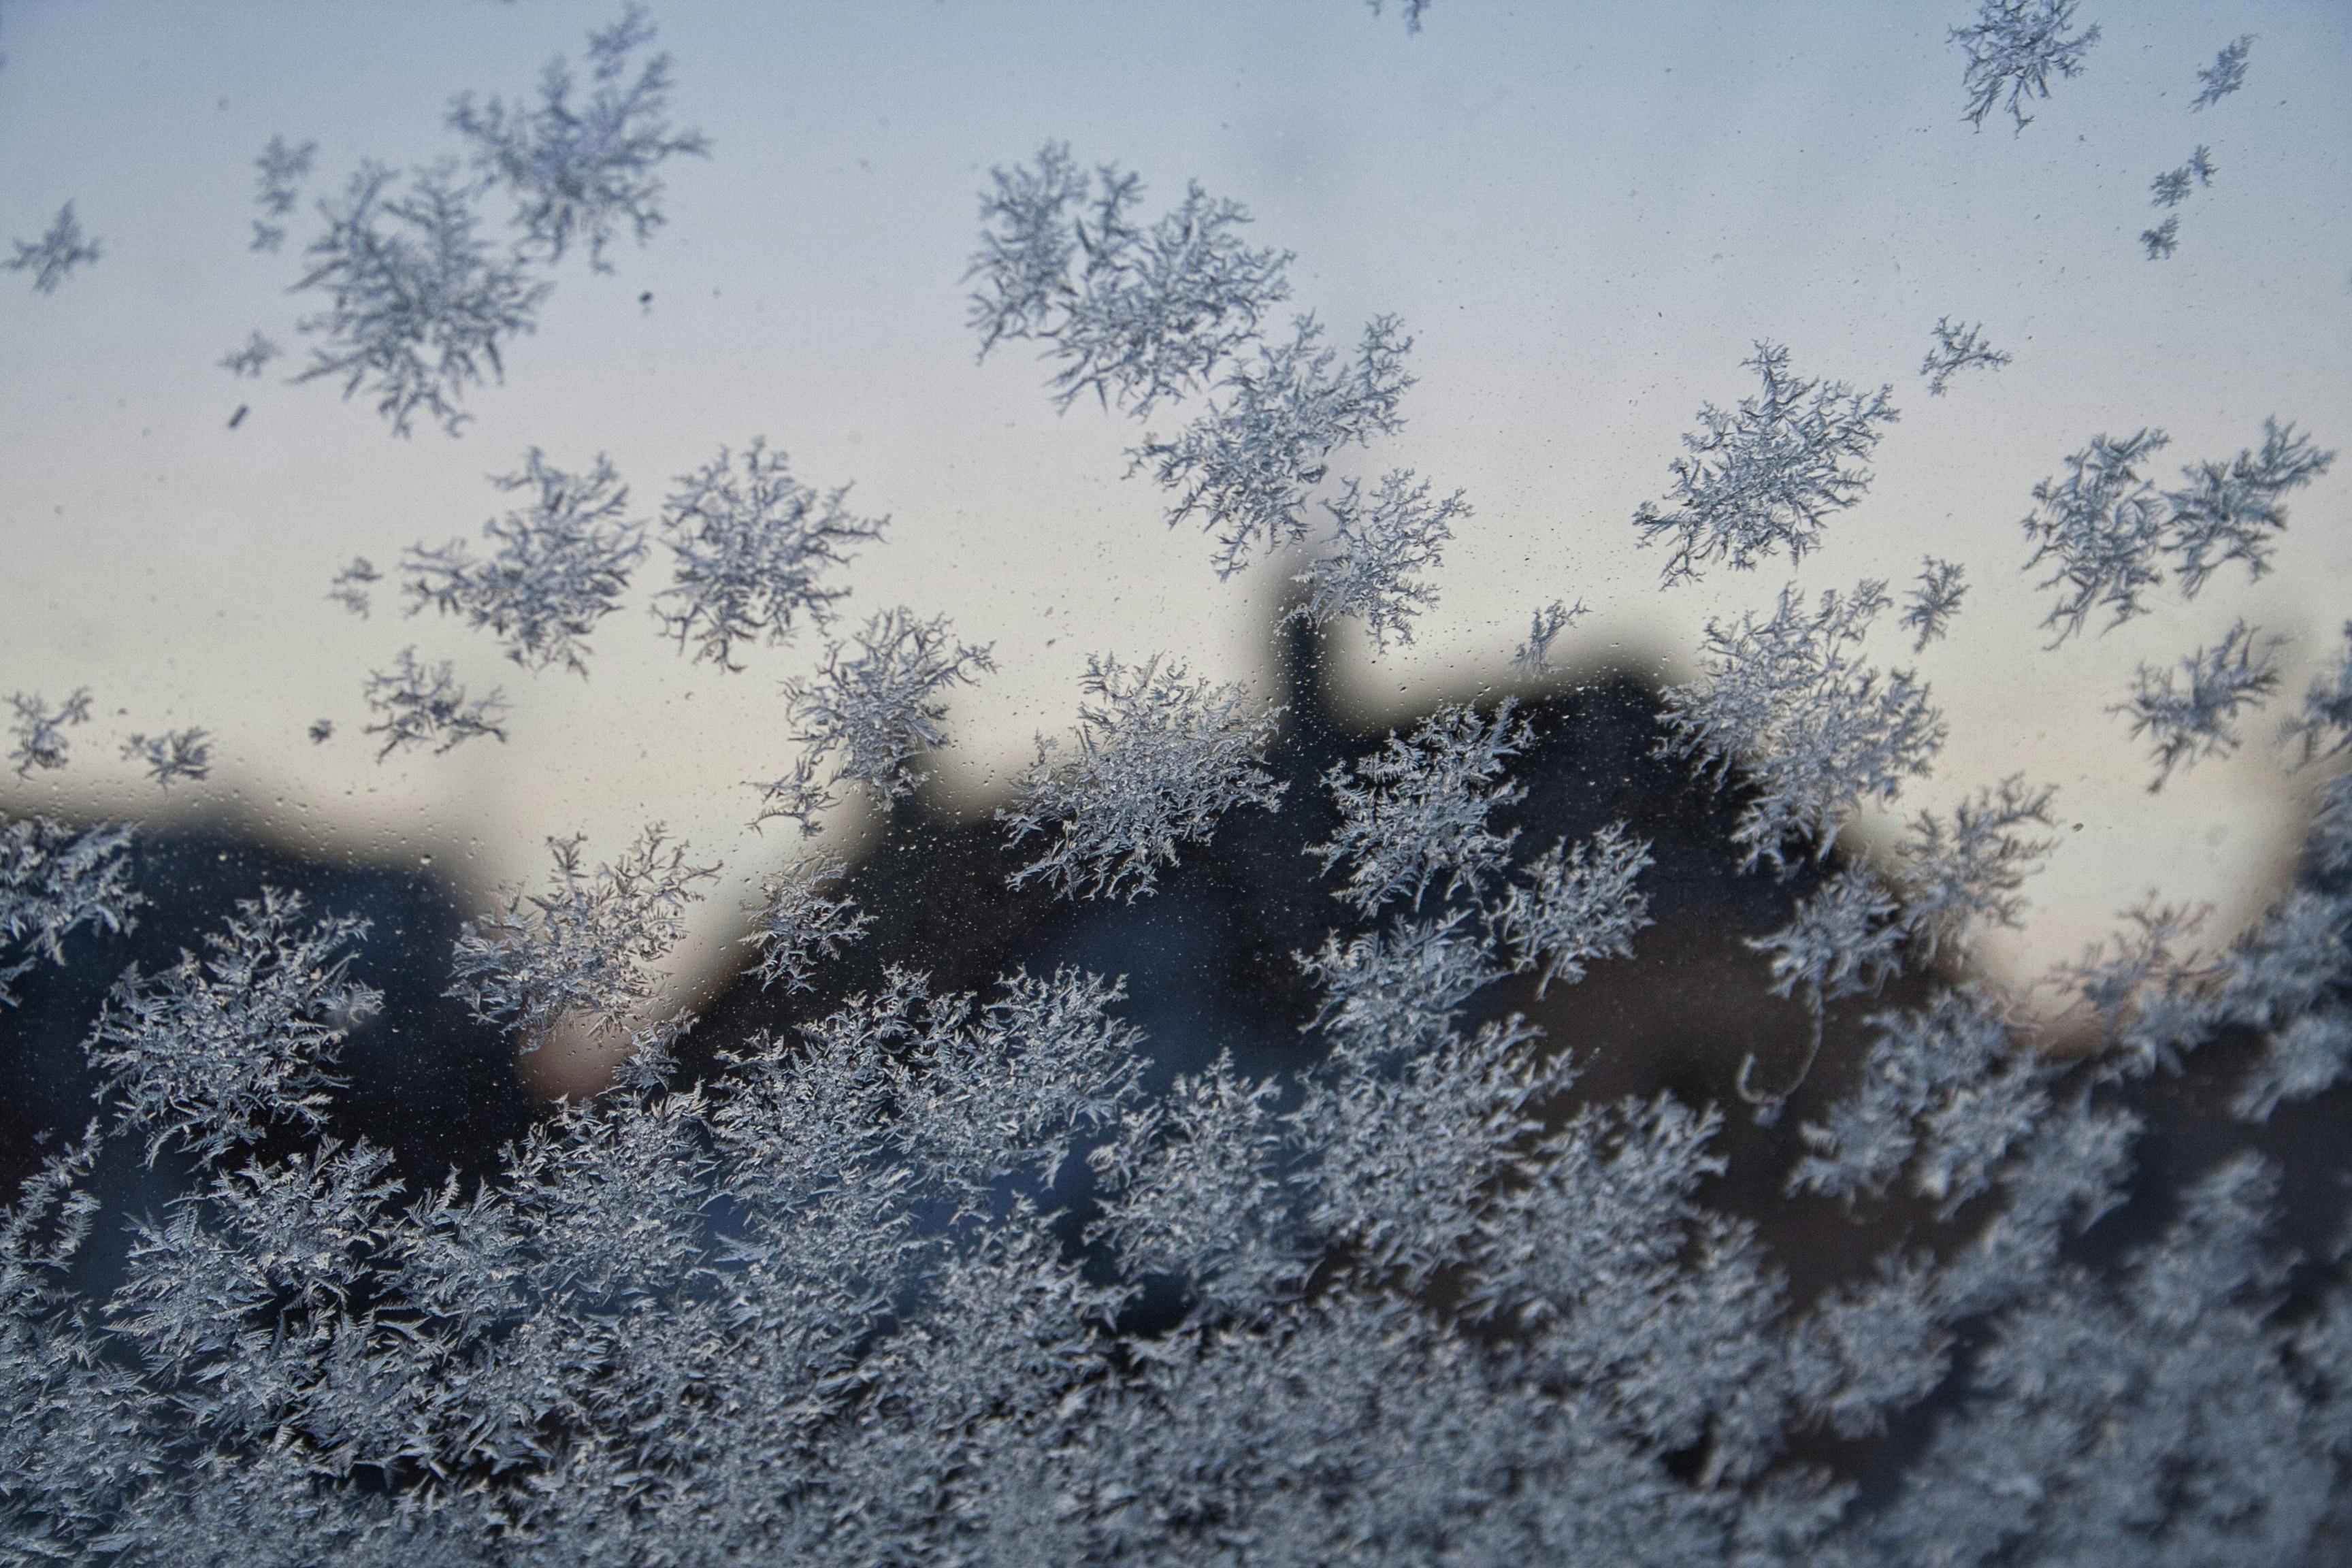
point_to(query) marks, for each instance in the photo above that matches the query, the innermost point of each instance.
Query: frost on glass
(2225, 76)
(2013, 49)
(37, 733)
(2191, 710)
(1369, 571)
(1958, 347)
(61, 247)
(1768, 475)
(278, 174)
(419, 704)
(1929, 608)
(56, 880)
(173, 754)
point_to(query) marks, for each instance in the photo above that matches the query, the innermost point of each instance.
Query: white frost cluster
(2014, 47)
(173, 754)
(55, 881)
(1958, 347)
(418, 704)
(1370, 567)
(2192, 711)
(39, 731)
(2225, 76)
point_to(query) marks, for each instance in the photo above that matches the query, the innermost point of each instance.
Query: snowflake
(279, 172)
(1246, 466)
(173, 754)
(56, 253)
(2013, 46)
(1159, 760)
(795, 923)
(213, 1053)
(872, 714)
(1416, 810)
(41, 731)
(418, 704)
(417, 305)
(351, 583)
(2229, 511)
(55, 881)
(579, 172)
(2099, 528)
(1153, 311)
(2225, 76)
(1770, 474)
(2163, 239)
(583, 948)
(1814, 729)
(750, 552)
(1370, 569)
(560, 566)
(2191, 712)
(1934, 603)
(1957, 348)
(1533, 657)
(250, 359)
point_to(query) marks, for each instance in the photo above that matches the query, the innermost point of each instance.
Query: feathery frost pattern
(55, 881)
(2013, 49)
(61, 247)
(39, 731)
(417, 704)
(2192, 711)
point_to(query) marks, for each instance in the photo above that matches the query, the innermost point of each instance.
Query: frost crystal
(2171, 188)
(1371, 569)
(2099, 529)
(2013, 46)
(250, 359)
(578, 173)
(795, 923)
(2163, 239)
(56, 253)
(1957, 348)
(418, 704)
(53, 883)
(749, 551)
(1152, 313)
(2225, 76)
(1415, 811)
(1815, 730)
(41, 731)
(1573, 906)
(351, 583)
(2229, 511)
(1246, 466)
(1770, 473)
(173, 754)
(279, 172)
(1159, 760)
(2324, 727)
(2192, 712)
(1534, 656)
(417, 305)
(582, 950)
(872, 715)
(560, 565)
(1958, 874)
(1934, 603)
(211, 1053)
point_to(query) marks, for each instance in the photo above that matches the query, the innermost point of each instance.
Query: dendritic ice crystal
(38, 729)
(559, 564)
(2225, 76)
(1370, 570)
(56, 880)
(2191, 711)
(418, 704)
(62, 248)
(1766, 476)
(173, 754)
(1958, 347)
(2014, 48)
(1161, 758)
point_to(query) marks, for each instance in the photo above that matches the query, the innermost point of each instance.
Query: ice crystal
(1413, 813)
(2163, 239)
(1817, 730)
(1533, 657)
(1957, 348)
(1412, 10)
(213, 1052)
(749, 553)
(251, 360)
(2225, 76)
(1966, 871)
(57, 253)
(559, 564)
(2172, 187)
(1573, 906)
(351, 585)
(1152, 312)
(1370, 568)
(55, 881)
(2099, 529)
(278, 172)
(2192, 711)
(1768, 475)
(2230, 511)
(1161, 758)
(417, 303)
(579, 171)
(1930, 606)
(173, 754)
(871, 711)
(2324, 727)
(2013, 48)
(796, 922)
(1246, 466)
(584, 948)
(416, 704)
(40, 731)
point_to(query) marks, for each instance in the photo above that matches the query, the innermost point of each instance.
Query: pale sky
(1585, 215)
